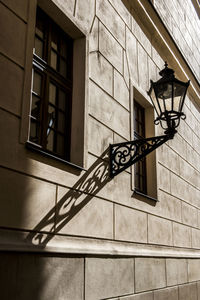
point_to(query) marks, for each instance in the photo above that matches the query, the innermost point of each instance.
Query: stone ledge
(13, 240)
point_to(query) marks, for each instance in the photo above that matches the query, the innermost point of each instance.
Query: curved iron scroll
(123, 155)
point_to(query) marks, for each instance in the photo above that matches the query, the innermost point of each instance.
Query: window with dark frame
(139, 132)
(50, 116)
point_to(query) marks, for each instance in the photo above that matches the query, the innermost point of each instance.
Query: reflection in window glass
(53, 62)
(50, 140)
(61, 122)
(62, 99)
(63, 68)
(60, 145)
(35, 109)
(39, 45)
(37, 83)
(52, 93)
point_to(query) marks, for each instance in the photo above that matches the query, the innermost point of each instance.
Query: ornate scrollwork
(123, 155)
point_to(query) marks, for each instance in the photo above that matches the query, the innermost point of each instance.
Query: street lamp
(167, 95)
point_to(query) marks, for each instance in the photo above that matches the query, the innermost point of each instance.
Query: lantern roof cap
(167, 73)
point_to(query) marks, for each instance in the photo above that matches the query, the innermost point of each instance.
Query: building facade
(74, 79)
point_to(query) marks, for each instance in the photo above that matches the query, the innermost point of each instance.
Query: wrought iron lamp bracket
(124, 155)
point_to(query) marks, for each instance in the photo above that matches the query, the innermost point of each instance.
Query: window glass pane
(52, 93)
(50, 139)
(60, 145)
(61, 100)
(54, 60)
(39, 47)
(34, 131)
(37, 83)
(63, 68)
(39, 31)
(54, 40)
(61, 122)
(35, 108)
(63, 48)
(51, 116)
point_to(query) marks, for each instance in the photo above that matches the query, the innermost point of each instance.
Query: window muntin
(139, 132)
(50, 117)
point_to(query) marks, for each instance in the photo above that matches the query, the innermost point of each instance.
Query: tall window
(50, 117)
(139, 132)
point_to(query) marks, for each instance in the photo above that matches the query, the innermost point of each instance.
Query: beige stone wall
(45, 198)
(97, 278)
(183, 23)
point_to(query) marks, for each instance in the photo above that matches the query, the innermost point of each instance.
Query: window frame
(140, 174)
(78, 146)
(50, 75)
(137, 94)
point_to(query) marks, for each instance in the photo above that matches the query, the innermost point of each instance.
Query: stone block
(166, 294)
(180, 188)
(188, 291)
(140, 296)
(130, 225)
(101, 71)
(99, 137)
(168, 206)
(188, 173)
(121, 92)
(46, 277)
(19, 7)
(67, 6)
(157, 59)
(176, 270)
(131, 51)
(179, 145)
(153, 70)
(8, 275)
(189, 215)
(12, 35)
(193, 157)
(94, 36)
(126, 70)
(122, 11)
(163, 178)
(195, 238)
(25, 201)
(193, 270)
(182, 235)
(108, 111)
(107, 277)
(109, 17)
(110, 48)
(149, 274)
(84, 215)
(141, 37)
(196, 142)
(198, 289)
(11, 76)
(85, 13)
(159, 231)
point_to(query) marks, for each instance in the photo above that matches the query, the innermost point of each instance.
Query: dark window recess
(139, 132)
(50, 117)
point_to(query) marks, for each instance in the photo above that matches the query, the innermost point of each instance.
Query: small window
(144, 175)
(51, 100)
(139, 133)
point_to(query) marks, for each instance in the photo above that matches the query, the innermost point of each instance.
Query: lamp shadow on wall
(92, 181)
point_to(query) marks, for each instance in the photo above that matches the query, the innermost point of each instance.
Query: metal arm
(124, 155)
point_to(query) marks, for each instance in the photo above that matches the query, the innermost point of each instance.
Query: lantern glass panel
(164, 94)
(179, 93)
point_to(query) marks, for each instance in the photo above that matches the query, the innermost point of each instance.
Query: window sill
(38, 149)
(144, 196)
